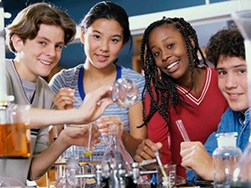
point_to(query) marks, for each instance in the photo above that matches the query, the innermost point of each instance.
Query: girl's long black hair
(167, 95)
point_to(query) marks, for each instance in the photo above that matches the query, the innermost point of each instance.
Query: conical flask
(242, 173)
(115, 158)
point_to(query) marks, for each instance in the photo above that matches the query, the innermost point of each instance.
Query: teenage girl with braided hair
(179, 86)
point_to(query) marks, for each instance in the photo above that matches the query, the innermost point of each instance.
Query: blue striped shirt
(73, 78)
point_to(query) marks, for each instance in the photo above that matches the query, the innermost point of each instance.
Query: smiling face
(37, 57)
(232, 81)
(169, 50)
(103, 41)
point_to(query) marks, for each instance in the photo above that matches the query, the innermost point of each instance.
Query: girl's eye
(115, 40)
(169, 46)
(96, 36)
(156, 54)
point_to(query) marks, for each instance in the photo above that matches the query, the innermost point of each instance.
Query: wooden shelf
(136, 65)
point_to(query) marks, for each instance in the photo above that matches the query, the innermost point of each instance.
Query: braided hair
(167, 95)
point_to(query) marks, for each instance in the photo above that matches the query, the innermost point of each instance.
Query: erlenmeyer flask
(124, 92)
(242, 173)
(116, 158)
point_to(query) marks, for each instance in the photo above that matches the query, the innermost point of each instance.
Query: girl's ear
(17, 42)
(82, 37)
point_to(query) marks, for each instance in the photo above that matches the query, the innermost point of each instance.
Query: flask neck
(115, 150)
(113, 139)
(113, 133)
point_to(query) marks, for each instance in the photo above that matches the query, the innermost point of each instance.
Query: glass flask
(225, 158)
(15, 135)
(72, 169)
(115, 159)
(124, 92)
(242, 173)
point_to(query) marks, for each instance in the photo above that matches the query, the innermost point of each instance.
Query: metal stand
(120, 173)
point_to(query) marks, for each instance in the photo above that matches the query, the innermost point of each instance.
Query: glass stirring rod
(156, 153)
(182, 130)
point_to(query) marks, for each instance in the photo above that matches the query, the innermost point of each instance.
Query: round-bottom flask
(124, 92)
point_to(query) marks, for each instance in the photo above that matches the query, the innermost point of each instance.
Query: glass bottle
(225, 158)
(242, 173)
(124, 92)
(116, 160)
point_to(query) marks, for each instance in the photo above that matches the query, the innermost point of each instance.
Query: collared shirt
(231, 121)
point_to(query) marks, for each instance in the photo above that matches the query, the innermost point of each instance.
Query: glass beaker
(124, 92)
(242, 174)
(15, 135)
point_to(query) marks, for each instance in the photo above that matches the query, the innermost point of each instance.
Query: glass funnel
(242, 173)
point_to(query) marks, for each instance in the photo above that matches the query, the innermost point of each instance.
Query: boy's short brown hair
(27, 23)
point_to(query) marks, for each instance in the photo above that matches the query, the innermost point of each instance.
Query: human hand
(64, 99)
(146, 151)
(78, 135)
(94, 104)
(102, 124)
(195, 156)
